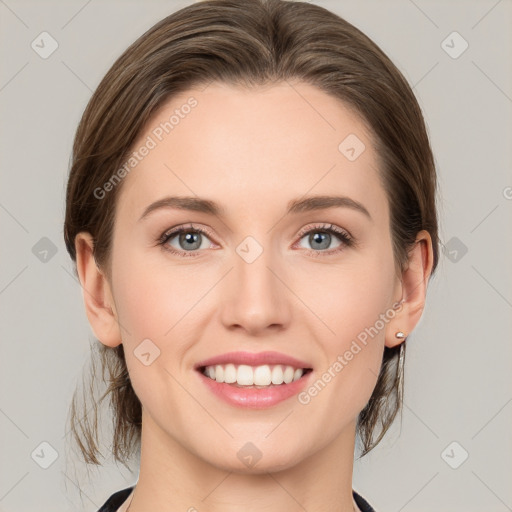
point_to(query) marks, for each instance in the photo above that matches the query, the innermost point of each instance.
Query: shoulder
(116, 500)
(363, 505)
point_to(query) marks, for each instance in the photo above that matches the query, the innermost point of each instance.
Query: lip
(253, 359)
(255, 398)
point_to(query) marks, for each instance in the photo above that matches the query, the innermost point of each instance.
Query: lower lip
(254, 398)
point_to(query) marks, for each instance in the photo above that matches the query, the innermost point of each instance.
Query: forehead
(251, 146)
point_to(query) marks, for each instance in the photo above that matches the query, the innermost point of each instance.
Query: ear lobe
(414, 290)
(98, 300)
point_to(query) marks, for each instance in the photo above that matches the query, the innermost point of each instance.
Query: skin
(251, 151)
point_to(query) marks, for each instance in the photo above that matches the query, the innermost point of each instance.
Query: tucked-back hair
(246, 43)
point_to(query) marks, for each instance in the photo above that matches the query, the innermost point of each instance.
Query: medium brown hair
(248, 43)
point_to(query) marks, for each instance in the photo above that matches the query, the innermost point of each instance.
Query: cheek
(355, 312)
(348, 297)
(152, 304)
(353, 353)
(150, 297)
(365, 298)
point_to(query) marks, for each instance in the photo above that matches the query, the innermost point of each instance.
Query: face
(258, 275)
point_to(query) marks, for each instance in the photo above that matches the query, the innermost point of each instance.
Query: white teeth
(245, 375)
(277, 375)
(219, 373)
(288, 374)
(262, 376)
(230, 373)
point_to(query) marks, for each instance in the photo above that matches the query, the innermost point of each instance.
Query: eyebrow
(295, 206)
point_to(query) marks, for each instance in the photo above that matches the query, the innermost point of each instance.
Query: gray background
(458, 364)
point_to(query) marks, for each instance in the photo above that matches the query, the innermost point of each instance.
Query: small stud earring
(400, 335)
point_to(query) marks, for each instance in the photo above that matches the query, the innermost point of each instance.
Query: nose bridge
(257, 298)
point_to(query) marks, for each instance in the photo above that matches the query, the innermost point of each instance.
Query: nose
(255, 297)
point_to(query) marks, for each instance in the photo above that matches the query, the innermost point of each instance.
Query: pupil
(190, 238)
(319, 237)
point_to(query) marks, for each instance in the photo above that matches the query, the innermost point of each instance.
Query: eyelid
(176, 230)
(343, 235)
(345, 238)
(184, 227)
(326, 227)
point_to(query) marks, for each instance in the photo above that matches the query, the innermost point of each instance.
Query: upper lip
(253, 359)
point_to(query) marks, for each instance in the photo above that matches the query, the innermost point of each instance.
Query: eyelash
(342, 235)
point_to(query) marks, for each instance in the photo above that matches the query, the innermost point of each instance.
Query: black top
(118, 498)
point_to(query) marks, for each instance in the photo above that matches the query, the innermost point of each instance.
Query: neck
(173, 478)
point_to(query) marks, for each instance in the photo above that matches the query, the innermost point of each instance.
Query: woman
(251, 209)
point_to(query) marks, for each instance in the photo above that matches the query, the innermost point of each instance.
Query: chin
(249, 460)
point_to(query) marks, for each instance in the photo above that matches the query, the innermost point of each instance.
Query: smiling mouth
(260, 377)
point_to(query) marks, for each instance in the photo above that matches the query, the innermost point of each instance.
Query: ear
(413, 289)
(98, 298)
